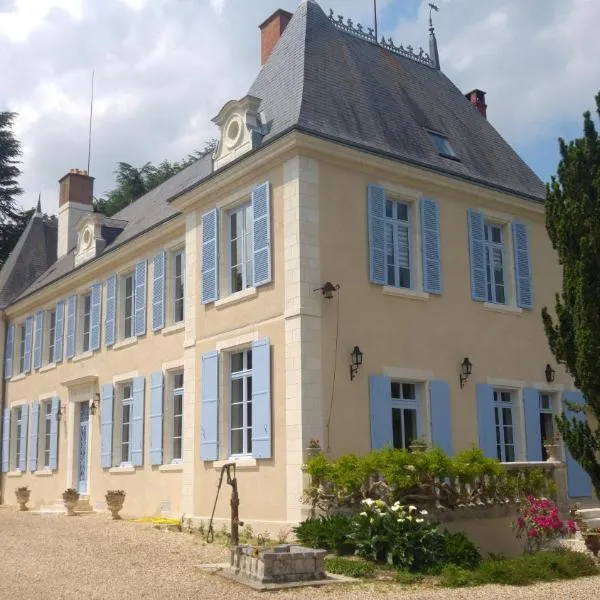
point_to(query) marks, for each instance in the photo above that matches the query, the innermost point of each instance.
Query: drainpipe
(2, 390)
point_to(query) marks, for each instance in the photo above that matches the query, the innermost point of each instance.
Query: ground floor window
(505, 425)
(126, 415)
(46, 432)
(18, 439)
(546, 422)
(177, 416)
(405, 414)
(241, 404)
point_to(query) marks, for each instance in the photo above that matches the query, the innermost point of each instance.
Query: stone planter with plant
(70, 498)
(114, 502)
(22, 494)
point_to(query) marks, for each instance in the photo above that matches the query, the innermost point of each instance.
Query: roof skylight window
(443, 145)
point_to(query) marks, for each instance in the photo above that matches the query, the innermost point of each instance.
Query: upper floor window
(397, 244)
(86, 322)
(51, 316)
(125, 421)
(241, 404)
(494, 263)
(127, 302)
(178, 286)
(503, 406)
(405, 414)
(240, 248)
(21, 335)
(442, 145)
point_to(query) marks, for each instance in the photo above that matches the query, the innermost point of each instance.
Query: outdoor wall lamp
(328, 290)
(549, 372)
(357, 358)
(59, 412)
(466, 367)
(94, 404)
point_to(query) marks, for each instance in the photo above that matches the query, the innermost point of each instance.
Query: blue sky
(164, 68)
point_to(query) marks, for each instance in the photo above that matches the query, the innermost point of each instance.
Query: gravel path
(93, 557)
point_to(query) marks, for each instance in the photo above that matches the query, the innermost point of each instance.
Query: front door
(82, 451)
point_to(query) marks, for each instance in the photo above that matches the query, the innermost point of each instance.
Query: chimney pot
(271, 30)
(477, 99)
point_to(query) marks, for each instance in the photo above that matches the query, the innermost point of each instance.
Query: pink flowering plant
(539, 523)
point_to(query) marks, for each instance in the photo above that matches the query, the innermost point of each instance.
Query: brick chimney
(270, 32)
(75, 200)
(477, 99)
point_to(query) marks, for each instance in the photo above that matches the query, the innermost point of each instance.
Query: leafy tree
(133, 182)
(573, 224)
(12, 221)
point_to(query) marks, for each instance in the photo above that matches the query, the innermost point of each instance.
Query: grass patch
(349, 567)
(157, 521)
(408, 578)
(524, 570)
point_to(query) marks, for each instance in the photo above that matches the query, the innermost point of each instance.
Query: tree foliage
(134, 182)
(573, 224)
(12, 220)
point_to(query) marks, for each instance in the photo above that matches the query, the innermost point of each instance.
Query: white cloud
(164, 68)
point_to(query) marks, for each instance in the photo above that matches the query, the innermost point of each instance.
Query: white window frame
(245, 374)
(44, 434)
(16, 417)
(173, 286)
(120, 403)
(499, 405)
(122, 304)
(83, 317)
(489, 247)
(173, 393)
(50, 345)
(394, 223)
(21, 334)
(244, 209)
(403, 404)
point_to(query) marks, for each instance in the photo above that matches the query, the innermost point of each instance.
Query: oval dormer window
(87, 237)
(233, 132)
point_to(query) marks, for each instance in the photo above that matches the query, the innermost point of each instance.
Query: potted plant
(114, 501)
(22, 494)
(552, 447)
(418, 445)
(70, 498)
(591, 537)
(313, 448)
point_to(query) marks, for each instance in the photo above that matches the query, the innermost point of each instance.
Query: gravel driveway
(91, 556)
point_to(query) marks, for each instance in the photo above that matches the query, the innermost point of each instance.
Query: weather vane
(432, 7)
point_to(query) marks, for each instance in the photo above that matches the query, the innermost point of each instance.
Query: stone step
(589, 513)
(593, 523)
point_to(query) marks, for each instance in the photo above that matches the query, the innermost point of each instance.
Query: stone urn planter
(313, 448)
(114, 502)
(592, 541)
(553, 451)
(22, 494)
(70, 498)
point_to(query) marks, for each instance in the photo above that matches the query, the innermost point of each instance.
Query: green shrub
(524, 570)
(329, 533)
(348, 567)
(460, 551)
(408, 578)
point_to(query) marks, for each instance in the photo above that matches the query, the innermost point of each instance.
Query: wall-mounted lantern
(94, 404)
(328, 290)
(466, 367)
(357, 357)
(550, 373)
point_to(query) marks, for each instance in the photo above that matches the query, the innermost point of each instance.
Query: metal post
(235, 504)
(375, 12)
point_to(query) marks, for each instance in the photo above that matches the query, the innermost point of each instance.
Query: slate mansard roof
(329, 83)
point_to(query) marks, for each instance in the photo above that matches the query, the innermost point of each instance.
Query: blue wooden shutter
(485, 420)
(33, 436)
(430, 243)
(158, 291)
(522, 265)
(111, 311)
(441, 415)
(28, 343)
(380, 400)
(60, 326)
(53, 458)
(71, 325)
(22, 458)
(477, 255)
(96, 315)
(137, 422)
(156, 417)
(261, 399)
(533, 431)
(261, 214)
(8, 351)
(39, 337)
(376, 217)
(106, 425)
(210, 256)
(578, 481)
(210, 406)
(140, 298)
(5, 440)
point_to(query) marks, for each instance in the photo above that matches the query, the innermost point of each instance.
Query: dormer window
(442, 145)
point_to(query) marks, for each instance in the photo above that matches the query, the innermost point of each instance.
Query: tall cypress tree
(573, 224)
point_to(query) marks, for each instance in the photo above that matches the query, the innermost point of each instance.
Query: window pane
(396, 390)
(389, 209)
(237, 441)
(178, 380)
(402, 211)
(237, 362)
(409, 391)
(547, 426)
(237, 281)
(507, 416)
(249, 414)
(404, 278)
(505, 397)
(410, 426)
(249, 441)
(249, 359)
(403, 247)
(237, 415)
(177, 427)
(237, 391)
(177, 454)
(509, 454)
(545, 402)
(397, 427)
(496, 234)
